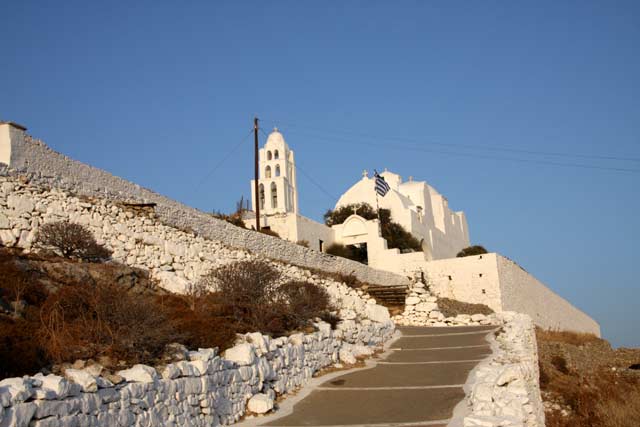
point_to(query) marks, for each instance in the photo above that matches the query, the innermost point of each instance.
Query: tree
(72, 241)
(472, 250)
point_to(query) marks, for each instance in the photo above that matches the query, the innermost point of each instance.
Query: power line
(222, 161)
(308, 176)
(471, 155)
(465, 146)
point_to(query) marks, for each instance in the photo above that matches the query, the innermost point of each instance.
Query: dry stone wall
(204, 389)
(504, 390)
(34, 159)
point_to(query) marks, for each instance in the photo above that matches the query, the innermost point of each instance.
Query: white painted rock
(346, 356)
(85, 380)
(14, 390)
(377, 313)
(260, 403)
(426, 306)
(52, 386)
(412, 301)
(509, 374)
(478, 317)
(242, 354)
(139, 374)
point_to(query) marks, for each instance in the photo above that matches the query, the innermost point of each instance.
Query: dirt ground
(585, 382)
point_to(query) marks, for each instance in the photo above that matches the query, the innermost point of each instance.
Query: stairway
(391, 297)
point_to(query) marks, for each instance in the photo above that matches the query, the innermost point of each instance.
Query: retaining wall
(42, 165)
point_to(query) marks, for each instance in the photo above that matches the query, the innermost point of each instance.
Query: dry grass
(578, 374)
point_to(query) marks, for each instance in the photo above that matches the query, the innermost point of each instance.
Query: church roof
(275, 138)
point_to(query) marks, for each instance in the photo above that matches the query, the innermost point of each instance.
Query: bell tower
(277, 177)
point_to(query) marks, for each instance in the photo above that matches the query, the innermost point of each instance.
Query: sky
(525, 115)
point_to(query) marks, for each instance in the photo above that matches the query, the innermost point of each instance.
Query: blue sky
(463, 95)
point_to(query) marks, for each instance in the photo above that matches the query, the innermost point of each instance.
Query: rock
(83, 378)
(435, 315)
(139, 373)
(114, 378)
(21, 204)
(18, 415)
(478, 317)
(377, 313)
(53, 386)
(4, 221)
(7, 238)
(361, 350)
(509, 374)
(347, 314)
(204, 354)
(426, 306)
(412, 301)
(346, 356)
(260, 403)
(14, 390)
(172, 282)
(258, 341)
(242, 354)
(171, 371)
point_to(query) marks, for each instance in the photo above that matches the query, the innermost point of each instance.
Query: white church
(415, 205)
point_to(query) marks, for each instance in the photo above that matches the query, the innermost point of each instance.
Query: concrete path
(417, 384)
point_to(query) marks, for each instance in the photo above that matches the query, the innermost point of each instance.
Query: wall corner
(11, 134)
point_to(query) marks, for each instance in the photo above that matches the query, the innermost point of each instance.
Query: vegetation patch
(584, 382)
(451, 308)
(472, 250)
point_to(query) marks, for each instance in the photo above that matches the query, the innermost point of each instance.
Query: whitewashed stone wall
(204, 390)
(176, 258)
(504, 390)
(503, 285)
(31, 157)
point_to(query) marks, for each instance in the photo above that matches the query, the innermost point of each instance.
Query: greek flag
(382, 187)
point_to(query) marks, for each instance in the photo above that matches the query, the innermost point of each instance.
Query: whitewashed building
(415, 205)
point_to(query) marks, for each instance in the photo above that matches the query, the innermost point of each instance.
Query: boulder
(242, 354)
(139, 373)
(412, 300)
(14, 390)
(377, 313)
(84, 379)
(260, 403)
(52, 386)
(346, 356)
(172, 282)
(426, 306)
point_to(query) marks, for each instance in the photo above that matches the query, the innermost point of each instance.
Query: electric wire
(341, 139)
(222, 161)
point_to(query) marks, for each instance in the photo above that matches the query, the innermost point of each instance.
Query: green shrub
(472, 250)
(350, 252)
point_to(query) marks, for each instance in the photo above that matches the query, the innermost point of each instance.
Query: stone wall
(174, 257)
(32, 158)
(203, 390)
(504, 389)
(503, 285)
(523, 293)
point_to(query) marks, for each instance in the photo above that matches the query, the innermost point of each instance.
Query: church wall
(523, 293)
(44, 166)
(471, 279)
(503, 285)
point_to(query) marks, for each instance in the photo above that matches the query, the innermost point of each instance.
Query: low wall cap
(14, 124)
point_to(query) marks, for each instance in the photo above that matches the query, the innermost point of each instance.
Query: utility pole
(257, 172)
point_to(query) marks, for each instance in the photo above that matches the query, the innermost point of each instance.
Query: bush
(451, 308)
(304, 243)
(80, 322)
(72, 241)
(269, 232)
(472, 250)
(253, 297)
(351, 252)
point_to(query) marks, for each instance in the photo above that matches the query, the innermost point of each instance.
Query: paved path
(417, 384)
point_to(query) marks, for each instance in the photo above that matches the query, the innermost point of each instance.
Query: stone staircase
(392, 297)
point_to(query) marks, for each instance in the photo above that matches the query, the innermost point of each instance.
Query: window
(269, 155)
(276, 155)
(274, 195)
(267, 172)
(277, 169)
(261, 196)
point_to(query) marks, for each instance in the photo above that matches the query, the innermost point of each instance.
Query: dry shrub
(451, 308)
(199, 320)
(472, 250)
(269, 232)
(567, 337)
(252, 297)
(304, 243)
(72, 241)
(20, 354)
(80, 322)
